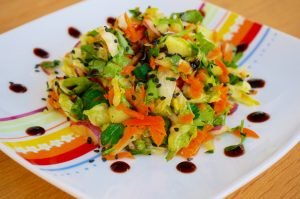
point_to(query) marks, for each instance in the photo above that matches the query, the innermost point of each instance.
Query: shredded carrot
(128, 133)
(247, 132)
(128, 69)
(158, 133)
(128, 94)
(194, 146)
(196, 87)
(227, 51)
(143, 93)
(162, 68)
(186, 37)
(110, 96)
(138, 103)
(184, 68)
(151, 106)
(188, 118)
(223, 103)
(215, 36)
(214, 54)
(130, 112)
(156, 125)
(224, 78)
(190, 26)
(53, 100)
(121, 155)
(202, 106)
(147, 121)
(152, 63)
(201, 75)
(133, 32)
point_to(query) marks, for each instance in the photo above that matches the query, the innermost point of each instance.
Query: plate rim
(267, 163)
(243, 180)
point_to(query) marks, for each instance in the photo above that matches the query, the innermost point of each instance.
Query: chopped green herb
(50, 64)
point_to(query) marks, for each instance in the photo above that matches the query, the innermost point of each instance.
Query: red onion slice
(85, 128)
(233, 109)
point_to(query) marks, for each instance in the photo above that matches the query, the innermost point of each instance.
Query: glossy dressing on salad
(152, 84)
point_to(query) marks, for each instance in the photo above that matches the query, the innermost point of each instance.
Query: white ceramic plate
(62, 158)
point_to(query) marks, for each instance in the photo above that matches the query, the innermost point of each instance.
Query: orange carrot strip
(227, 51)
(223, 103)
(158, 133)
(186, 118)
(247, 132)
(143, 93)
(184, 68)
(250, 133)
(194, 146)
(224, 78)
(214, 54)
(152, 63)
(110, 96)
(127, 70)
(130, 112)
(138, 103)
(186, 37)
(201, 75)
(128, 133)
(147, 121)
(133, 33)
(202, 106)
(53, 100)
(196, 87)
(121, 155)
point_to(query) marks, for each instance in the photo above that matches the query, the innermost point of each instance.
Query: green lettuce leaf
(180, 136)
(98, 115)
(112, 134)
(192, 16)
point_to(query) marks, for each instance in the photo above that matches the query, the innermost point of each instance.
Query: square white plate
(62, 158)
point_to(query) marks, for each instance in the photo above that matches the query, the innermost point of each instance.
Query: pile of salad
(150, 83)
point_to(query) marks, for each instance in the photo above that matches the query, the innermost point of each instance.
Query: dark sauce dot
(119, 167)
(186, 167)
(256, 83)
(41, 53)
(111, 20)
(258, 116)
(35, 131)
(235, 152)
(241, 48)
(17, 88)
(73, 32)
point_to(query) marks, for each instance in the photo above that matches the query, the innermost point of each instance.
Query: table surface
(282, 180)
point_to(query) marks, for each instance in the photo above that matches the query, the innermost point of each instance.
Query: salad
(151, 83)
